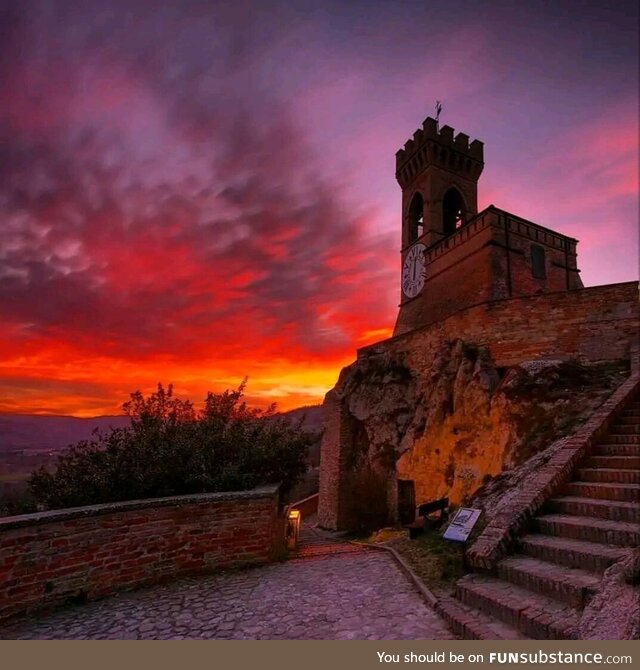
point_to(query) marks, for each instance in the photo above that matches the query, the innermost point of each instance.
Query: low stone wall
(506, 524)
(51, 558)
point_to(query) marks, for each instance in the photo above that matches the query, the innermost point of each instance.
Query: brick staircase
(539, 591)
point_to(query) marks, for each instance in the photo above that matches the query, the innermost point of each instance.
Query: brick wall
(592, 324)
(489, 258)
(55, 557)
(460, 278)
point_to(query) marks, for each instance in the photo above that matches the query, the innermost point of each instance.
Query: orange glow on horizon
(283, 382)
(224, 207)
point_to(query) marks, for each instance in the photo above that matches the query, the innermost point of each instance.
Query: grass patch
(437, 562)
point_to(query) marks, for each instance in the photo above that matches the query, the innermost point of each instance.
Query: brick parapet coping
(498, 537)
(70, 513)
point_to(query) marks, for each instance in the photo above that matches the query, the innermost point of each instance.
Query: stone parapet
(52, 558)
(590, 324)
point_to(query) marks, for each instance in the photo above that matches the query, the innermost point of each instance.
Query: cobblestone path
(331, 590)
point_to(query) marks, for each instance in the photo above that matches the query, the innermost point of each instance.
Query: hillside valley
(28, 441)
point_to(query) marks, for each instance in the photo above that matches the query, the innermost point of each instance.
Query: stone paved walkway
(339, 594)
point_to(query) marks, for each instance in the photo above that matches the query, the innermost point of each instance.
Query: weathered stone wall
(50, 558)
(459, 400)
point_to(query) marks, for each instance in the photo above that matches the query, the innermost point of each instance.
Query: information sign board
(462, 524)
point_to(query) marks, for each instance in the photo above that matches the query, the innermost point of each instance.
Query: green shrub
(21, 503)
(170, 449)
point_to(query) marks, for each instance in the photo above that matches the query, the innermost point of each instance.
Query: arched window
(416, 218)
(538, 265)
(452, 211)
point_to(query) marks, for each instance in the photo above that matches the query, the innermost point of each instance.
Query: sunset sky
(192, 192)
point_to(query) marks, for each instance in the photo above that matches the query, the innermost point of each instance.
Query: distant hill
(313, 421)
(313, 416)
(31, 432)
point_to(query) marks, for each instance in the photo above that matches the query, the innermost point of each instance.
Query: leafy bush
(21, 503)
(170, 449)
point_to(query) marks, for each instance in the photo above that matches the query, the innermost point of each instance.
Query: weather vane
(438, 110)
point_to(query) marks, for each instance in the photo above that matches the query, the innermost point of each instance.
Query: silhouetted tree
(170, 449)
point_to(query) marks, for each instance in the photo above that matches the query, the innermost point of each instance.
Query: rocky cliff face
(450, 421)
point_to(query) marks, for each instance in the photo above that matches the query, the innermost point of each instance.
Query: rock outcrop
(449, 422)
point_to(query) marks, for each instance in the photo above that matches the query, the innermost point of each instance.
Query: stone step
(625, 429)
(571, 586)
(590, 556)
(621, 438)
(620, 462)
(618, 533)
(472, 624)
(604, 491)
(617, 450)
(533, 614)
(609, 475)
(603, 509)
(629, 419)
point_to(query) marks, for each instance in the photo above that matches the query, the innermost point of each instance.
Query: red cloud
(191, 199)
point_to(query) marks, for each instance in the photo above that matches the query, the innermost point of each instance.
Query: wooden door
(406, 501)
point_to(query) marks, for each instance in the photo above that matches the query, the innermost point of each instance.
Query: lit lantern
(293, 528)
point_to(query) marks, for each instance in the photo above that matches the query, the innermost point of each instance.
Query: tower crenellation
(442, 147)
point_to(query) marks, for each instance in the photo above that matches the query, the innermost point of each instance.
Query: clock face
(413, 271)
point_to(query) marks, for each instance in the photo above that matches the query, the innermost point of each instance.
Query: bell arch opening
(453, 211)
(416, 218)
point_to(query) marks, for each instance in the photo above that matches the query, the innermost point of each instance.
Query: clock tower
(438, 174)
(454, 257)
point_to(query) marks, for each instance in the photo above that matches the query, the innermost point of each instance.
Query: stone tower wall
(429, 164)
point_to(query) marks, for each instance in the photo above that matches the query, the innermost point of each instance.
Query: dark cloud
(156, 200)
(187, 181)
